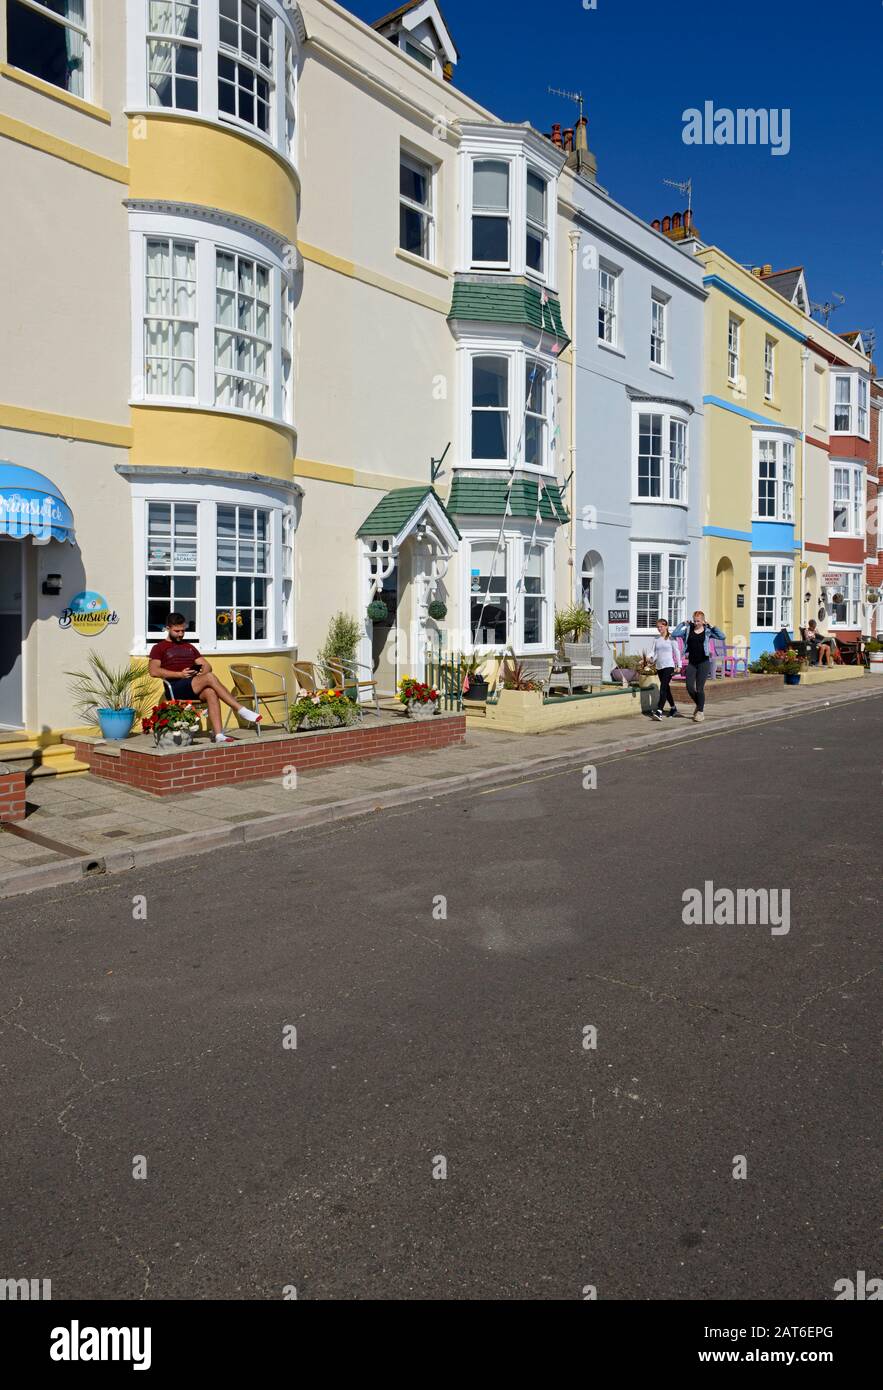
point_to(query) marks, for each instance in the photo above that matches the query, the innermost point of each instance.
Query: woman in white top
(667, 657)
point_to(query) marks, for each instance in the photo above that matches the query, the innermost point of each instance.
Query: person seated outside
(821, 645)
(190, 676)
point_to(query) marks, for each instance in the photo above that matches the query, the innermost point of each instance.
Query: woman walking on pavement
(697, 635)
(667, 659)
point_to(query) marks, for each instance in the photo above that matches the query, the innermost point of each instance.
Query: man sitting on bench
(190, 676)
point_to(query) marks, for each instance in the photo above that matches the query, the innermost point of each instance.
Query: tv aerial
(685, 189)
(568, 96)
(828, 309)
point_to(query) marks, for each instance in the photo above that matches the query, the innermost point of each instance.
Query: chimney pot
(568, 138)
(676, 220)
(688, 218)
(767, 270)
(666, 224)
(556, 134)
(655, 224)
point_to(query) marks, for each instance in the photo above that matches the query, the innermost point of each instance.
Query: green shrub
(342, 642)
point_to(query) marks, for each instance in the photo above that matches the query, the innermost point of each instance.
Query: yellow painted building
(754, 350)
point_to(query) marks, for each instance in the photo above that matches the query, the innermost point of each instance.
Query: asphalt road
(420, 1036)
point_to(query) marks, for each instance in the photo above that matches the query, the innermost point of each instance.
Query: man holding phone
(191, 677)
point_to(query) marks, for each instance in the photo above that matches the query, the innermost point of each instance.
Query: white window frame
(665, 554)
(670, 471)
(734, 349)
(487, 214)
(854, 499)
(863, 408)
(268, 343)
(85, 30)
(852, 590)
(609, 305)
(783, 458)
(659, 345)
(210, 237)
(521, 150)
(287, 33)
(515, 541)
(171, 318)
(422, 165)
(857, 408)
(520, 359)
(539, 229)
(782, 595)
(175, 42)
(252, 65)
(769, 368)
(207, 495)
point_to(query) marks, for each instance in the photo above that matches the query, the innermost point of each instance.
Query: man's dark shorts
(183, 689)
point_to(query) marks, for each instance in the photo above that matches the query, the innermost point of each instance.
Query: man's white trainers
(249, 715)
(223, 738)
(698, 717)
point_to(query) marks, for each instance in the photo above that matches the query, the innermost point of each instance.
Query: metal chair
(245, 686)
(585, 671)
(346, 675)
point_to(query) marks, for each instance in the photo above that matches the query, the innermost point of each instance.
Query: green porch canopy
(394, 512)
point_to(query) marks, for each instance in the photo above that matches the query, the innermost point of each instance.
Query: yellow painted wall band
(62, 149)
(13, 417)
(351, 477)
(46, 89)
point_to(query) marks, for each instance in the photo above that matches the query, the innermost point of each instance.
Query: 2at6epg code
(735, 1333)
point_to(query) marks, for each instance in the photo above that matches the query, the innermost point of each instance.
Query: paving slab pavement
(98, 827)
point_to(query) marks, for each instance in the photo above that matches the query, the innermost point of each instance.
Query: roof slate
(487, 497)
(394, 510)
(510, 303)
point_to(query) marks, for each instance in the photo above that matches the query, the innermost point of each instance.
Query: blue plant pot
(116, 724)
(792, 680)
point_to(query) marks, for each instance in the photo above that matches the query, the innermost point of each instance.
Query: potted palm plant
(111, 698)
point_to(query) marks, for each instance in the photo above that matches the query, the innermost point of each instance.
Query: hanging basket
(378, 611)
(838, 598)
(438, 610)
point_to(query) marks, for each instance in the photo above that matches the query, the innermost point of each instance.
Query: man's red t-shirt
(175, 656)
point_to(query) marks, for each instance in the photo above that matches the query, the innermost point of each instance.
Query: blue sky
(641, 64)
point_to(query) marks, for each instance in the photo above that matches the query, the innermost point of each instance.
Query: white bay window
(231, 61)
(509, 201)
(213, 315)
(509, 582)
(221, 554)
(511, 397)
(850, 405)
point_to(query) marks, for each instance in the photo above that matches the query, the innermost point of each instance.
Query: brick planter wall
(12, 794)
(208, 765)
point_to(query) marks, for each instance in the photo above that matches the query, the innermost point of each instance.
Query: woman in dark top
(697, 635)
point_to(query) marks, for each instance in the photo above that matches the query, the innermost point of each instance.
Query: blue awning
(31, 505)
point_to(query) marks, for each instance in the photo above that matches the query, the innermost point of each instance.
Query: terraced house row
(295, 324)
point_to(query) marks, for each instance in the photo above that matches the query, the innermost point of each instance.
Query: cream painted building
(275, 275)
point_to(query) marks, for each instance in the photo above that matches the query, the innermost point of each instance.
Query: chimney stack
(678, 227)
